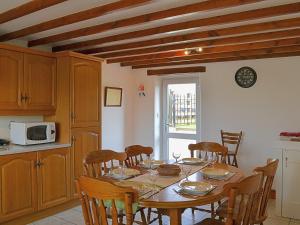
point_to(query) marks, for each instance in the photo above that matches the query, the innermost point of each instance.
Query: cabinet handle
(286, 162)
(23, 98)
(39, 163)
(73, 116)
(26, 98)
(73, 139)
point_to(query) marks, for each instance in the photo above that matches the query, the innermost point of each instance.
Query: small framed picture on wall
(112, 97)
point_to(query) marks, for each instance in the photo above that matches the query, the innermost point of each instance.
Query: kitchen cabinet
(27, 83)
(18, 181)
(84, 140)
(53, 177)
(288, 180)
(39, 82)
(85, 89)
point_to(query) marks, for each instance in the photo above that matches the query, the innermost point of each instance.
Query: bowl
(168, 170)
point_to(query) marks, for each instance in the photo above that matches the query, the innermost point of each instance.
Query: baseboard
(42, 214)
(273, 194)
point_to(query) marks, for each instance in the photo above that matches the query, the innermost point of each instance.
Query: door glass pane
(181, 111)
(181, 146)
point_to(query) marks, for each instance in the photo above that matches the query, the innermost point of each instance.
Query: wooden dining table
(175, 203)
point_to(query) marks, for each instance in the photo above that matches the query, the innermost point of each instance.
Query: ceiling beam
(217, 20)
(196, 7)
(258, 27)
(235, 58)
(220, 49)
(206, 43)
(71, 18)
(26, 9)
(168, 71)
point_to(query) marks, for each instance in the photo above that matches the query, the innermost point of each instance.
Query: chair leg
(228, 158)
(235, 161)
(149, 215)
(193, 211)
(212, 206)
(143, 217)
(159, 218)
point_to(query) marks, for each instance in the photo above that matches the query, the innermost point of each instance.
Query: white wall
(117, 122)
(271, 106)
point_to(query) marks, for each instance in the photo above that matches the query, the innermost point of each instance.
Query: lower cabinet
(33, 181)
(18, 185)
(84, 141)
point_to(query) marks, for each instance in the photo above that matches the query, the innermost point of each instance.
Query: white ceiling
(72, 6)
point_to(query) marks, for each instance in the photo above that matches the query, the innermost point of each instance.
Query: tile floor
(74, 217)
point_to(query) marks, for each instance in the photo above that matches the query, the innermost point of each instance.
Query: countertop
(14, 149)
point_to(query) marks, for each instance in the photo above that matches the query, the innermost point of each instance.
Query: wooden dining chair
(241, 202)
(232, 140)
(136, 154)
(268, 173)
(205, 150)
(98, 163)
(93, 194)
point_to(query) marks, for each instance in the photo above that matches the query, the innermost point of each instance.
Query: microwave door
(37, 134)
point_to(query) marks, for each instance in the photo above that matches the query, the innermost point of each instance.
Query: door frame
(164, 153)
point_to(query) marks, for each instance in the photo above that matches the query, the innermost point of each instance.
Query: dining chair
(268, 173)
(136, 154)
(233, 141)
(205, 150)
(241, 202)
(94, 193)
(98, 163)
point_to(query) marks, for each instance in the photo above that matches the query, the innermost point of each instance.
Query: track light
(193, 51)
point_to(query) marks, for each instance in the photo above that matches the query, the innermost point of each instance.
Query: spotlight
(186, 52)
(199, 49)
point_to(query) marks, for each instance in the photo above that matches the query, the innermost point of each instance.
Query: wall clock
(245, 77)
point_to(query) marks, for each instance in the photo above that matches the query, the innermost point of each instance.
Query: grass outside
(191, 126)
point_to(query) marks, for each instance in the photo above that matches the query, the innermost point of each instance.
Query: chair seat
(210, 221)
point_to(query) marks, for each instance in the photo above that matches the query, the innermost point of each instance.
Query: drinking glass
(176, 156)
(153, 178)
(186, 170)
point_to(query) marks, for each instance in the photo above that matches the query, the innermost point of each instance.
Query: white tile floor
(74, 217)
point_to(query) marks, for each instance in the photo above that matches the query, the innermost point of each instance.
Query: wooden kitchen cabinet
(53, 177)
(11, 80)
(18, 185)
(86, 90)
(39, 82)
(84, 141)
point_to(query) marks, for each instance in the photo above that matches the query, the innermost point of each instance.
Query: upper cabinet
(27, 83)
(39, 82)
(85, 92)
(11, 80)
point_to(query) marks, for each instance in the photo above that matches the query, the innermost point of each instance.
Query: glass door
(181, 116)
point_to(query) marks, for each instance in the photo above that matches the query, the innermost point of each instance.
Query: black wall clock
(245, 77)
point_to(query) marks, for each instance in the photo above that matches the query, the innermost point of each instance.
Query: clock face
(245, 77)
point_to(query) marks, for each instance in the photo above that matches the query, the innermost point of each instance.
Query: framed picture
(113, 97)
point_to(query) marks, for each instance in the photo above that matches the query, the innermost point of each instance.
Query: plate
(155, 163)
(215, 172)
(196, 187)
(128, 172)
(192, 161)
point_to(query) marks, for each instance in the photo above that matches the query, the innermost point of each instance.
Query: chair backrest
(136, 154)
(231, 139)
(97, 163)
(268, 173)
(242, 199)
(206, 149)
(93, 192)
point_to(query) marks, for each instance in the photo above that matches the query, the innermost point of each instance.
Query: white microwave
(31, 133)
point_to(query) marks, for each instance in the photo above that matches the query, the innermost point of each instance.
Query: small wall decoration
(141, 90)
(245, 77)
(113, 97)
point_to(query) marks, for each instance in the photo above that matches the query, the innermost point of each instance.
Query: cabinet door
(85, 92)
(53, 177)
(85, 140)
(40, 82)
(291, 184)
(18, 181)
(11, 79)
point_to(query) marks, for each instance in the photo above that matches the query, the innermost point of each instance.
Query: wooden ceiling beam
(206, 43)
(237, 30)
(26, 9)
(72, 18)
(196, 7)
(217, 20)
(235, 58)
(194, 69)
(219, 49)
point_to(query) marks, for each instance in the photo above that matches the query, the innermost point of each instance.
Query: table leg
(175, 216)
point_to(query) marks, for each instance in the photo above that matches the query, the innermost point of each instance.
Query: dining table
(168, 199)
